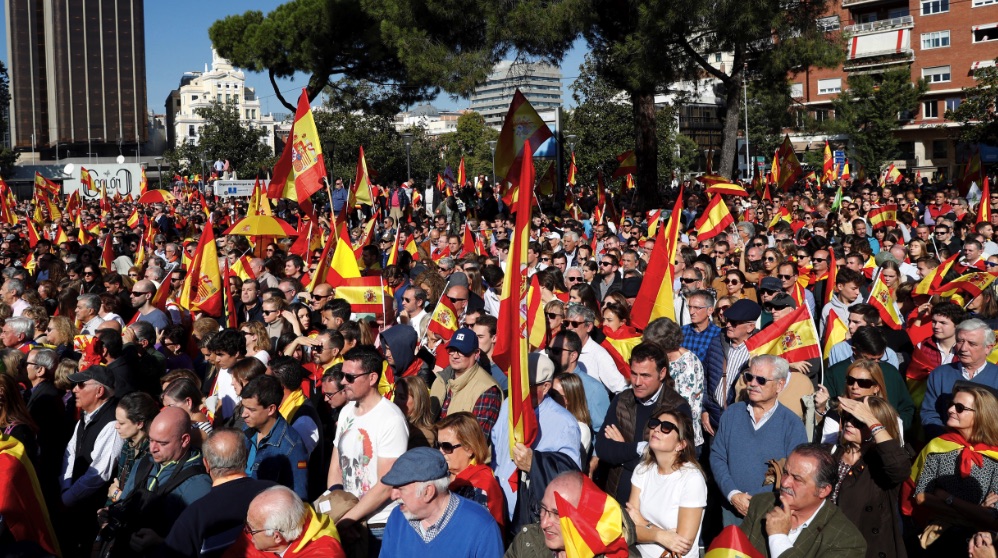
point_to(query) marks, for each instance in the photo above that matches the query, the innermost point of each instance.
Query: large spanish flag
(885, 302)
(732, 542)
(655, 297)
(628, 164)
(793, 337)
(443, 320)
(300, 171)
(934, 279)
(594, 527)
(522, 127)
(43, 184)
(22, 505)
(360, 190)
(510, 352)
(337, 262)
(365, 294)
(715, 219)
(202, 290)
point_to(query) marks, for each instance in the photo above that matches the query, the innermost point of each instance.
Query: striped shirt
(737, 357)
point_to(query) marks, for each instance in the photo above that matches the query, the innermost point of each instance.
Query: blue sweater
(939, 393)
(739, 453)
(471, 533)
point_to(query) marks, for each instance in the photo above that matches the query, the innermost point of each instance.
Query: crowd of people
(292, 424)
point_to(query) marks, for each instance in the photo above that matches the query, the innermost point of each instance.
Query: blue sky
(177, 42)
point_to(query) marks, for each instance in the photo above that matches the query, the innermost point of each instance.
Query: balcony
(904, 22)
(855, 3)
(871, 62)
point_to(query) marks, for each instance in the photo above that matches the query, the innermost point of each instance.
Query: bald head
(568, 486)
(225, 453)
(458, 294)
(111, 324)
(145, 286)
(320, 295)
(169, 435)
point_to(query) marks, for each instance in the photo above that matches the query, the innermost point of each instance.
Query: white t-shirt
(663, 495)
(361, 440)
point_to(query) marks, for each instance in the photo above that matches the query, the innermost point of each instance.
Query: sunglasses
(455, 299)
(553, 315)
(961, 408)
(688, 281)
(663, 426)
(819, 259)
(720, 254)
(140, 293)
(865, 383)
(605, 264)
(573, 279)
(761, 380)
(991, 264)
(574, 323)
(785, 277)
(270, 311)
(732, 282)
(446, 447)
(349, 378)
(758, 244)
(770, 259)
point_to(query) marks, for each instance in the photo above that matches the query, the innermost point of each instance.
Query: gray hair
(91, 301)
(747, 228)
(780, 366)
(418, 293)
(576, 269)
(16, 285)
(571, 235)
(582, 311)
(288, 518)
(708, 298)
(22, 325)
(158, 272)
(442, 485)
(972, 324)
(46, 358)
(144, 331)
(446, 263)
(225, 457)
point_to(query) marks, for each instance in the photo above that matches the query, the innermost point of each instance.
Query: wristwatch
(949, 500)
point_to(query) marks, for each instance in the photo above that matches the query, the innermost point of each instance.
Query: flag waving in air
(360, 190)
(715, 219)
(202, 290)
(655, 297)
(628, 164)
(300, 171)
(522, 126)
(794, 337)
(828, 168)
(790, 169)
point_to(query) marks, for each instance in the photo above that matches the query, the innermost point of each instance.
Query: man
(90, 457)
(18, 334)
(704, 338)
(264, 277)
(944, 238)
(607, 280)
(973, 256)
(788, 276)
(622, 440)
(11, 293)
(464, 385)
(974, 341)
(413, 308)
(597, 361)
(859, 229)
(803, 523)
(290, 288)
(142, 294)
(556, 447)
(485, 329)
(296, 408)
(940, 347)
(847, 290)
(278, 523)
(861, 314)
(320, 295)
(276, 451)
(249, 309)
(335, 313)
(545, 539)
(564, 350)
(430, 518)
(752, 433)
(739, 325)
(463, 299)
(87, 313)
(371, 433)
(227, 348)
(629, 261)
(48, 411)
(294, 268)
(819, 262)
(691, 280)
(570, 245)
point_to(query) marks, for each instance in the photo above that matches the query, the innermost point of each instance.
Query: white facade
(539, 83)
(223, 84)
(432, 120)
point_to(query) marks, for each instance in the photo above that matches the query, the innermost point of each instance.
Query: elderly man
(11, 293)
(740, 320)
(18, 334)
(597, 361)
(803, 523)
(430, 519)
(464, 300)
(974, 341)
(705, 339)
(90, 457)
(464, 385)
(278, 523)
(751, 433)
(87, 310)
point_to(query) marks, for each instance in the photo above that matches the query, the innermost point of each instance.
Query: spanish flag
(462, 178)
(522, 126)
(783, 214)
(884, 216)
(259, 204)
(32, 233)
(572, 171)
(727, 189)
(21, 502)
(133, 219)
(537, 325)
(43, 184)
(793, 337)
(443, 320)
(891, 173)
(319, 538)
(790, 169)
(828, 167)
(143, 185)
(715, 219)
(655, 297)
(845, 171)
(972, 173)
(242, 268)
(360, 190)
(934, 279)
(619, 344)
(202, 290)
(972, 283)
(300, 171)
(628, 164)
(337, 261)
(60, 236)
(594, 527)
(653, 219)
(732, 542)
(393, 254)
(951, 441)
(836, 332)
(107, 253)
(833, 272)
(548, 182)
(984, 210)
(885, 302)
(365, 294)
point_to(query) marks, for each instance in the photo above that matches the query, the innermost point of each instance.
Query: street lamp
(407, 140)
(571, 138)
(159, 165)
(492, 147)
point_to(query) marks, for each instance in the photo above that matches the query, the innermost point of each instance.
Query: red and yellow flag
(593, 528)
(885, 302)
(984, 210)
(628, 164)
(732, 542)
(828, 167)
(892, 173)
(790, 169)
(443, 321)
(793, 337)
(727, 189)
(572, 171)
(846, 175)
(548, 182)
(365, 294)
(21, 501)
(836, 331)
(655, 297)
(107, 253)
(884, 216)
(537, 324)
(715, 219)
(522, 126)
(43, 184)
(360, 190)
(231, 315)
(972, 283)
(833, 272)
(972, 173)
(300, 171)
(202, 290)
(462, 178)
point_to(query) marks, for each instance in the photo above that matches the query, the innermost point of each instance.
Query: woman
(956, 473)
(15, 420)
(864, 378)
(734, 281)
(257, 341)
(916, 249)
(304, 315)
(771, 260)
(585, 294)
(554, 313)
(873, 463)
(551, 282)
(618, 331)
(668, 489)
(185, 394)
(110, 308)
(60, 333)
(413, 398)
(722, 304)
(133, 417)
(572, 396)
(242, 372)
(172, 343)
(590, 270)
(985, 307)
(686, 371)
(38, 315)
(891, 273)
(460, 438)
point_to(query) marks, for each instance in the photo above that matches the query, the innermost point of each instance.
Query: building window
(191, 131)
(821, 115)
(937, 74)
(979, 3)
(930, 7)
(940, 150)
(829, 86)
(830, 23)
(953, 103)
(936, 39)
(219, 97)
(907, 149)
(717, 57)
(930, 109)
(797, 90)
(985, 33)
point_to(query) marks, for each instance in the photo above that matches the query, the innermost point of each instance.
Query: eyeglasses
(446, 448)
(761, 380)
(252, 532)
(785, 277)
(818, 260)
(573, 279)
(140, 293)
(605, 264)
(688, 281)
(556, 315)
(456, 299)
(697, 308)
(961, 408)
(865, 383)
(732, 282)
(329, 396)
(349, 378)
(575, 324)
(545, 511)
(664, 426)
(770, 259)
(265, 311)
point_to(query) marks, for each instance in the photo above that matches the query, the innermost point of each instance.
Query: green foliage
(8, 157)
(602, 122)
(769, 114)
(868, 111)
(471, 141)
(977, 112)
(223, 137)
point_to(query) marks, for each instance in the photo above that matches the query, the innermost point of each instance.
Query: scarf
(291, 404)
(970, 455)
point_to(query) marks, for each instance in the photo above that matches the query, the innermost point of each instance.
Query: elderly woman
(461, 440)
(956, 475)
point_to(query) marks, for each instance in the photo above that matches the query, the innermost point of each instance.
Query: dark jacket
(830, 534)
(615, 286)
(868, 496)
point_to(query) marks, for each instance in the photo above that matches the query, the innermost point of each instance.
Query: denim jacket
(279, 457)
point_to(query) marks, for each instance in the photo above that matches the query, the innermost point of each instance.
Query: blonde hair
(575, 397)
(469, 434)
(985, 430)
(66, 367)
(65, 329)
(262, 342)
(873, 368)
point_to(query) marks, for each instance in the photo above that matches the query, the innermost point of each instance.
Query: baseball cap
(770, 284)
(464, 340)
(781, 301)
(98, 373)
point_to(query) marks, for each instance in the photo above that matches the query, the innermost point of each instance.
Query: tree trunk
(732, 115)
(645, 151)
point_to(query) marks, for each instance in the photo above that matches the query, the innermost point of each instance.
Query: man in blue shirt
(705, 340)
(276, 451)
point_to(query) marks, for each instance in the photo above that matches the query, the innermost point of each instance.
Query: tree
(8, 157)
(767, 40)
(223, 137)
(868, 111)
(977, 112)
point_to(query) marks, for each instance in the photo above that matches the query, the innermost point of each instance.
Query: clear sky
(177, 42)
